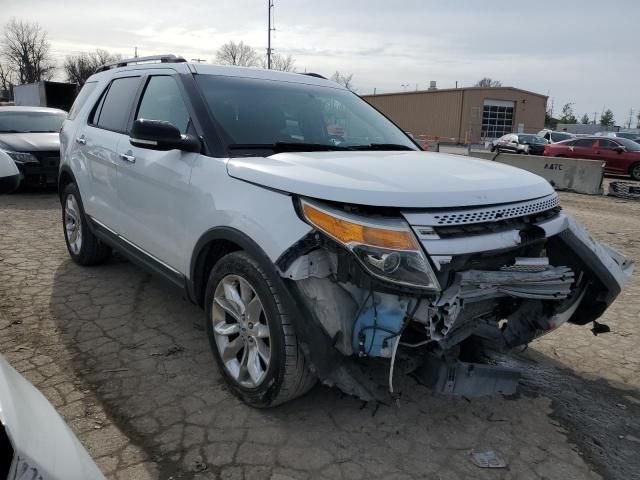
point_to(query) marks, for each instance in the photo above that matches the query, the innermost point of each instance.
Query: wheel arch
(65, 177)
(210, 248)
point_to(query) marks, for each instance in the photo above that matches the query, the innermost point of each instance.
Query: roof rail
(168, 58)
(317, 75)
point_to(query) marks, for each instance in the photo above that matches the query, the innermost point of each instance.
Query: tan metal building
(461, 115)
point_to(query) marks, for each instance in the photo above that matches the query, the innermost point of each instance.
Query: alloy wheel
(73, 224)
(241, 331)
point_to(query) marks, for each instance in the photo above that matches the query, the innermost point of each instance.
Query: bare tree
(6, 80)
(25, 49)
(567, 114)
(239, 54)
(281, 63)
(488, 82)
(344, 80)
(79, 68)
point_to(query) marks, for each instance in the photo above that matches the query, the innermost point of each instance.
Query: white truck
(45, 94)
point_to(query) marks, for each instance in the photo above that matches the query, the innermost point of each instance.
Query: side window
(81, 99)
(584, 142)
(608, 144)
(114, 112)
(162, 101)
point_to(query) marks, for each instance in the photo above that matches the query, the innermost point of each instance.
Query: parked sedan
(29, 135)
(520, 143)
(621, 156)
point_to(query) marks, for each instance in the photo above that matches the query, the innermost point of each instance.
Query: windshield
(263, 113)
(534, 139)
(31, 122)
(630, 145)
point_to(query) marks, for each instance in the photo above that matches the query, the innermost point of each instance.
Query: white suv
(314, 232)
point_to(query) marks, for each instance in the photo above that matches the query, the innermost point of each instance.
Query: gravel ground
(125, 360)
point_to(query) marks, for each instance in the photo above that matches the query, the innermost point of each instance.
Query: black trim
(211, 131)
(143, 259)
(196, 283)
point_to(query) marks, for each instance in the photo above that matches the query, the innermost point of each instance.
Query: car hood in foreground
(30, 142)
(392, 179)
(44, 445)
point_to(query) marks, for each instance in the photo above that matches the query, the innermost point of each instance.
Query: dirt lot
(126, 362)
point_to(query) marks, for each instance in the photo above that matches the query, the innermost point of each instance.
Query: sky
(579, 51)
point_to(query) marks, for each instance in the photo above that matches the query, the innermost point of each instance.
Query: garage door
(497, 118)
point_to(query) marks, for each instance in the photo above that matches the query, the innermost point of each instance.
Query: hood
(30, 142)
(392, 179)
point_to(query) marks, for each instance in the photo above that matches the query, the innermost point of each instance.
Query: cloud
(576, 51)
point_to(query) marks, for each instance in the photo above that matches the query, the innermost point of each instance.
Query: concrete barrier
(572, 174)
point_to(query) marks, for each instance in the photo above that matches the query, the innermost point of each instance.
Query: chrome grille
(489, 214)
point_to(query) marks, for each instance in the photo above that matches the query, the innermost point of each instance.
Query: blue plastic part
(376, 329)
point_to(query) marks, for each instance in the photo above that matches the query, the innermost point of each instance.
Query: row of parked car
(619, 150)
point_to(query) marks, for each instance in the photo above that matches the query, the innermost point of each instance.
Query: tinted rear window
(117, 104)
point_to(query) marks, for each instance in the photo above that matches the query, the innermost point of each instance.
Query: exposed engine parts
(495, 301)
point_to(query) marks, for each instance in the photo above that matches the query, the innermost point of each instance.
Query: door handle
(81, 140)
(128, 158)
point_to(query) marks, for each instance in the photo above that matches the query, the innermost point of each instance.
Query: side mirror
(161, 135)
(620, 149)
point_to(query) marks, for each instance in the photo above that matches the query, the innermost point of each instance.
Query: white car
(554, 137)
(35, 443)
(312, 231)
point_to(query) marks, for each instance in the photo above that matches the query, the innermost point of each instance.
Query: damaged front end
(434, 290)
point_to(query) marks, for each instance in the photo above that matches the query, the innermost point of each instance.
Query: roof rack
(169, 58)
(317, 75)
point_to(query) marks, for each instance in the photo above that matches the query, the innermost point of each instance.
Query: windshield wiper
(382, 146)
(10, 131)
(287, 147)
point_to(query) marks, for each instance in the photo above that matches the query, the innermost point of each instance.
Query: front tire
(251, 335)
(83, 246)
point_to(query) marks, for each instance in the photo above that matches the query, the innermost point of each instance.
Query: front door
(153, 186)
(615, 161)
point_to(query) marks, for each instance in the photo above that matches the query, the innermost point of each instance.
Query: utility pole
(630, 116)
(269, 30)
(135, 52)
(594, 117)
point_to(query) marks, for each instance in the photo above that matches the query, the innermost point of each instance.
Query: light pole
(269, 29)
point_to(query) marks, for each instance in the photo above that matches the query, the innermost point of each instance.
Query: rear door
(153, 186)
(99, 141)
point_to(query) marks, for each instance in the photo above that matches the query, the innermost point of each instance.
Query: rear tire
(251, 334)
(634, 171)
(83, 246)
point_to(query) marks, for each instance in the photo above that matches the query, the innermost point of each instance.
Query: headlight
(387, 248)
(22, 157)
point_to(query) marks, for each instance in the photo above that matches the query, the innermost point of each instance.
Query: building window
(497, 118)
